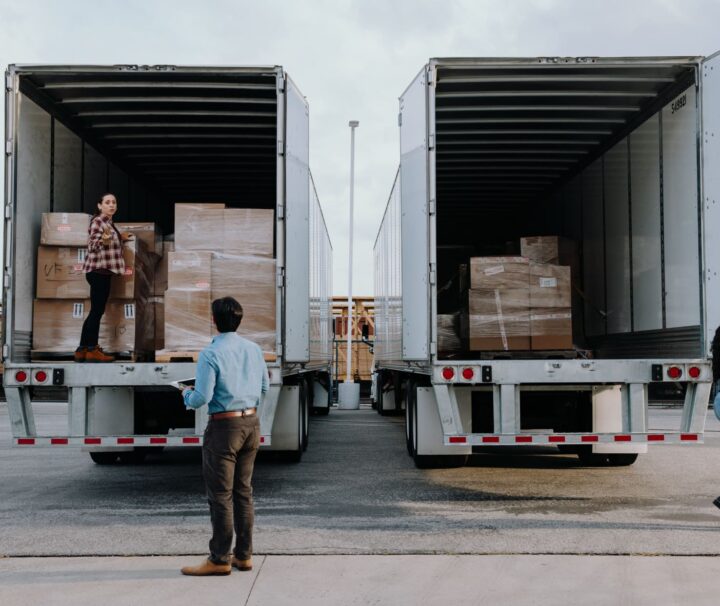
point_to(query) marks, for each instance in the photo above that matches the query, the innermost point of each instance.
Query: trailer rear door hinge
(281, 148)
(431, 142)
(6, 281)
(433, 348)
(400, 119)
(8, 82)
(5, 351)
(8, 211)
(8, 147)
(432, 207)
(281, 279)
(432, 277)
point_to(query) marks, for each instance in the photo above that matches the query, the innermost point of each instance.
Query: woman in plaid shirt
(103, 261)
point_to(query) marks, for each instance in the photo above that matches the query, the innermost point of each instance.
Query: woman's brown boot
(96, 354)
(80, 354)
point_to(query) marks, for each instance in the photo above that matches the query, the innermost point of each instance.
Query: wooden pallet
(167, 355)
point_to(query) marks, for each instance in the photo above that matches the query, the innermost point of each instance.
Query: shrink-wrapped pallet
(250, 280)
(198, 226)
(498, 319)
(127, 326)
(157, 306)
(551, 328)
(64, 229)
(160, 282)
(189, 270)
(248, 231)
(60, 273)
(137, 280)
(448, 337)
(147, 232)
(188, 319)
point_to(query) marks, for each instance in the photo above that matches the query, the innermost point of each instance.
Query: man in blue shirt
(231, 379)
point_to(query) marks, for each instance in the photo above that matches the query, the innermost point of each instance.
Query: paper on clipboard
(182, 384)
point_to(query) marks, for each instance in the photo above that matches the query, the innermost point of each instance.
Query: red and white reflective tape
(573, 438)
(118, 441)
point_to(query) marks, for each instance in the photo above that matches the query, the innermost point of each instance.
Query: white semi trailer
(155, 135)
(620, 155)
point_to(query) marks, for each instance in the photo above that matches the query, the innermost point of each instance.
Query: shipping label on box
(64, 229)
(550, 285)
(60, 273)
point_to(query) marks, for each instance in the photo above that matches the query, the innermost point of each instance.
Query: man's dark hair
(227, 313)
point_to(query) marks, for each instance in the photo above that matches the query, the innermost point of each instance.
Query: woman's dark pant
(229, 450)
(99, 293)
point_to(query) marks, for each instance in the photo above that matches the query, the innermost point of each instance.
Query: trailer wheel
(428, 461)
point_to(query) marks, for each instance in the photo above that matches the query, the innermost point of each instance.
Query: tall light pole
(353, 124)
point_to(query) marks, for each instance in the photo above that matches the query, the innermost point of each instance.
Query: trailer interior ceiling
(186, 134)
(509, 133)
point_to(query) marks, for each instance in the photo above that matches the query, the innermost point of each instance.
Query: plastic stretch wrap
(64, 229)
(448, 327)
(148, 233)
(499, 272)
(125, 326)
(160, 283)
(188, 319)
(137, 281)
(549, 286)
(198, 226)
(189, 270)
(157, 307)
(248, 231)
(498, 319)
(60, 274)
(250, 280)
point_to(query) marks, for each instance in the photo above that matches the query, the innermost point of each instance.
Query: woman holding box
(104, 260)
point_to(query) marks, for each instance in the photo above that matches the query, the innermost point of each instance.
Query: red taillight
(468, 373)
(674, 372)
(41, 376)
(21, 376)
(694, 372)
(448, 373)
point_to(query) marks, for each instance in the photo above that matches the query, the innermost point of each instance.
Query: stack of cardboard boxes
(63, 294)
(520, 303)
(220, 252)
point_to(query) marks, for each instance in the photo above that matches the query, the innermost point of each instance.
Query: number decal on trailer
(678, 104)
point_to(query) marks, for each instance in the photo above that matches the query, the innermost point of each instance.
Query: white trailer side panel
(711, 192)
(297, 228)
(594, 249)
(388, 282)
(645, 195)
(67, 170)
(320, 284)
(414, 220)
(680, 211)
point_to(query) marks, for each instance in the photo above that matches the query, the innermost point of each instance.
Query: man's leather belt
(234, 413)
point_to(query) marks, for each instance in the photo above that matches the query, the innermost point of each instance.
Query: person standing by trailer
(103, 261)
(231, 379)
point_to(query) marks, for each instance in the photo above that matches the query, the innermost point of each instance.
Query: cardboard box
(499, 272)
(60, 274)
(548, 249)
(64, 229)
(189, 270)
(137, 281)
(250, 280)
(497, 320)
(550, 286)
(248, 231)
(148, 233)
(127, 326)
(188, 319)
(160, 282)
(551, 328)
(199, 226)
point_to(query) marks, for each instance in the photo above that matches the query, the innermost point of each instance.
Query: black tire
(104, 458)
(136, 457)
(623, 459)
(429, 461)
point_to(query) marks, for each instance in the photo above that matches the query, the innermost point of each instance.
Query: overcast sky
(352, 59)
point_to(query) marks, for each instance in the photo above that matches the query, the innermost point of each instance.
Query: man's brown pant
(229, 450)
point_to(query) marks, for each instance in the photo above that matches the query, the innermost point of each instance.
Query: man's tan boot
(207, 569)
(96, 354)
(243, 565)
